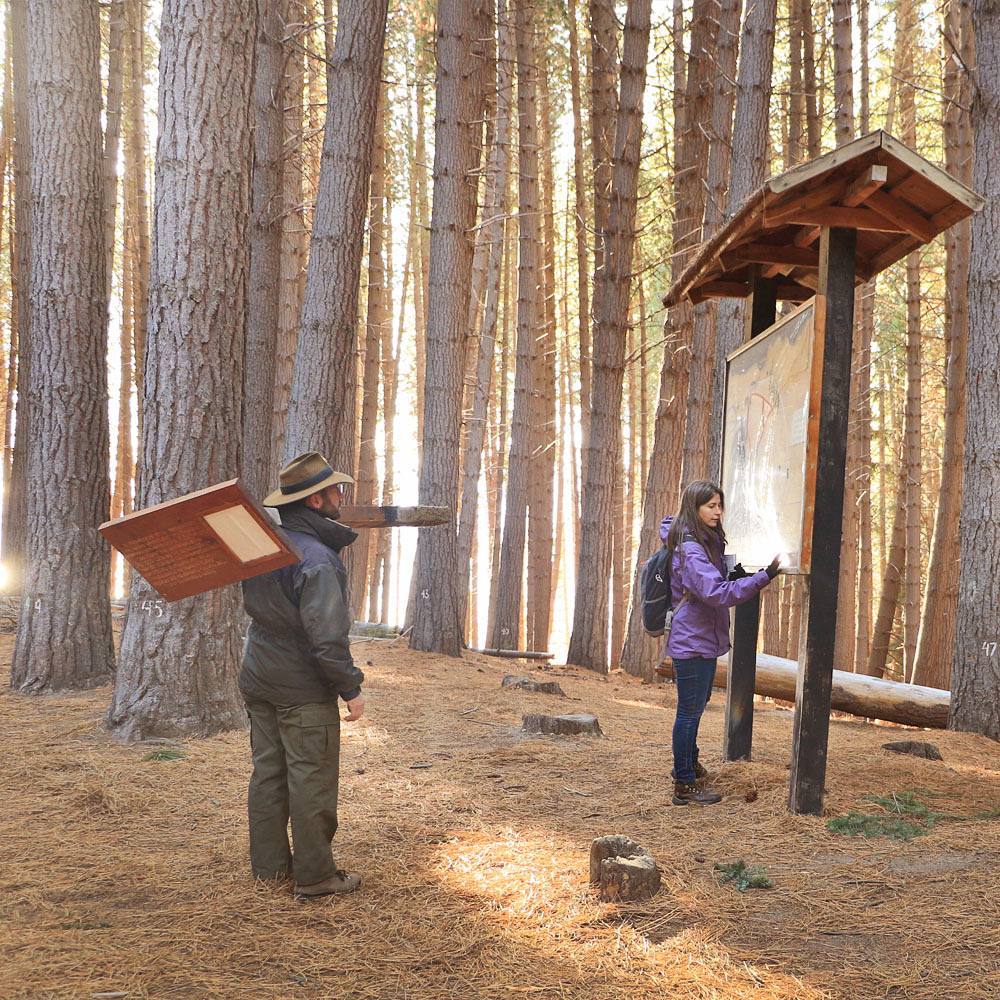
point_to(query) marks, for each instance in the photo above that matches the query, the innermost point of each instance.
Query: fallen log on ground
(857, 694)
(514, 654)
(394, 517)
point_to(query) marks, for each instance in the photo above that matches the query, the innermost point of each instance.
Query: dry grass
(125, 875)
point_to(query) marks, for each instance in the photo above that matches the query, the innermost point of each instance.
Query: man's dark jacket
(297, 651)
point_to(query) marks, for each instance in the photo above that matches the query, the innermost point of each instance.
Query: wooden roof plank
(789, 210)
(897, 210)
(846, 218)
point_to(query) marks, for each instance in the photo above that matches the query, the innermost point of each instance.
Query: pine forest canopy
(434, 240)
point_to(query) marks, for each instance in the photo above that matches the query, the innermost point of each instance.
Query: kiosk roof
(897, 200)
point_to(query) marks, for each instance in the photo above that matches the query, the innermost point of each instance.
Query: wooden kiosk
(815, 232)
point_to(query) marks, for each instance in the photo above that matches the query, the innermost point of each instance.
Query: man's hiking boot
(339, 882)
(685, 794)
(700, 774)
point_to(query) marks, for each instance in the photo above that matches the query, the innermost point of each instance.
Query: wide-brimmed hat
(303, 476)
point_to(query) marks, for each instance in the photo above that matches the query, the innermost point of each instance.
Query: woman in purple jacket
(699, 633)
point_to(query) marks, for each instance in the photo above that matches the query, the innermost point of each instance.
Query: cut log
(857, 694)
(374, 630)
(530, 684)
(562, 725)
(622, 869)
(394, 517)
(513, 654)
(915, 748)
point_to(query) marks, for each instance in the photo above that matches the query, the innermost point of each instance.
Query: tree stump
(915, 748)
(622, 869)
(529, 684)
(562, 725)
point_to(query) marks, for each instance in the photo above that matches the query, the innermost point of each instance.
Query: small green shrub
(904, 817)
(166, 754)
(743, 876)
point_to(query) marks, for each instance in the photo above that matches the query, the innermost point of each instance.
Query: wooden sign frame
(811, 452)
(177, 550)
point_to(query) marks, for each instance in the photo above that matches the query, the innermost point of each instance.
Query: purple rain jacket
(701, 626)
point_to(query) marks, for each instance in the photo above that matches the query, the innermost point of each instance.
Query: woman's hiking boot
(685, 794)
(700, 774)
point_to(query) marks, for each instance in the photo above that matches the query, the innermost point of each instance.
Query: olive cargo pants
(296, 759)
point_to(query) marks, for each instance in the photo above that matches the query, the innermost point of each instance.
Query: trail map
(765, 438)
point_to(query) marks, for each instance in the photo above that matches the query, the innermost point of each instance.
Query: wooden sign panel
(770, 435)
(201, 541)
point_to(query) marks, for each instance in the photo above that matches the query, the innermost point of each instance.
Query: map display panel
(766, 437)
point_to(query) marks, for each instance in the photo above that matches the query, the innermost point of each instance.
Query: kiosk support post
(737, 739)
(835, 332)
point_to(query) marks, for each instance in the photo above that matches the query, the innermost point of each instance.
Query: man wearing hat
(296, 665)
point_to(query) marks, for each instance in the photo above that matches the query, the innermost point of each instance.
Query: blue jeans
(694, 678)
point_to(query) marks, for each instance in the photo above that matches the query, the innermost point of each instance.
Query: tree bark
(137, 158)
(936, 639)
(588, 645)
(493, 235)
(362, 550)
(439, 613)
(975, 682)
(580, 214)
(749, 171)
(321, 415)
(697, 430)
(64, 627)
(260, 349)
(504, 632)
(177, 675)
(292, 257)
(540, 494)
(15, 514)
(843, 71)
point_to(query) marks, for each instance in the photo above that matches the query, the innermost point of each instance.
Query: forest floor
(123, 869)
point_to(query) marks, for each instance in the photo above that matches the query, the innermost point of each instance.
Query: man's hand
(355, 709)
(775, 568)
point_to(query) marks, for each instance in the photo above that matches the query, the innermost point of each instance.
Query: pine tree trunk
(843, 71)
(112, 133)
(603, 109)
(504, 633)
(493, 236)
(975, 682)
(361, 550)
(809, 74)
(64, 626)
(588, 645)
(580, 214)
(438, 620)
(749, 171)
(936, 639)
(177, 675)
(137, 157)
(15, 514)
(390, 368)
(907, 31)
(540, 494)
(292, 260)
(892, 576)
(639, 654)
(321, 414)
(263, 292)
(697, 428)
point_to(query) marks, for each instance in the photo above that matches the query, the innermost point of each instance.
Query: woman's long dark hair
(688, 526)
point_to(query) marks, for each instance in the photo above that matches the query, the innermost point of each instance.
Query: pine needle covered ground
(123, 870)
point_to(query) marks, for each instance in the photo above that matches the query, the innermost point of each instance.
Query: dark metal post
(835, 332)
(737, 737)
